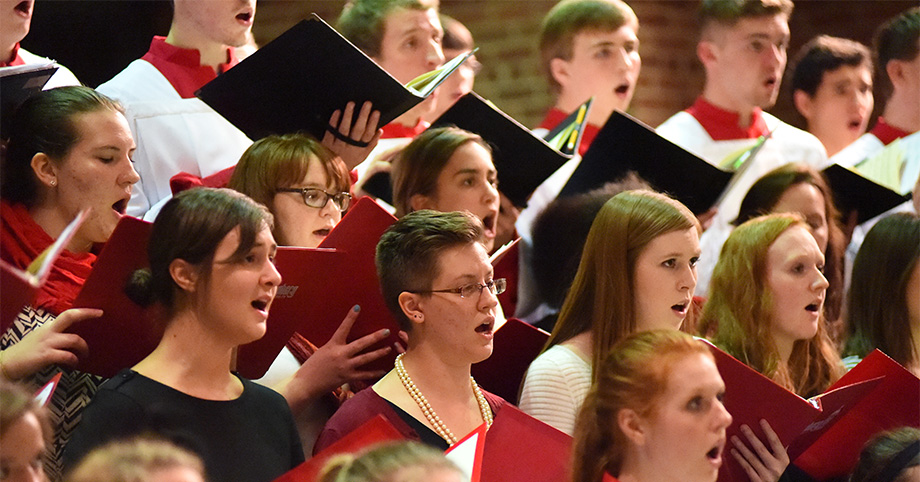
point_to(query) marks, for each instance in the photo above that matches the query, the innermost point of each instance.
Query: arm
(334, 364)
(46, 345)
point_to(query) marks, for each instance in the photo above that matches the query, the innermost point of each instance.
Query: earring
(53, 182)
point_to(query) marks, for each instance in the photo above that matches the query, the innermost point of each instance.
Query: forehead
(693, 373)
(793, 242)
(401, 21)
(846, 73)
(594, 36)
(679, 241)
(470, 155)
(103, 126)
(775, 27)
(461, 261)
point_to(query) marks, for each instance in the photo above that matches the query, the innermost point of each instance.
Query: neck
(7, 52)
(902, 112)
(784, 347)
(635, 470)
(212, 53)
(434, 374)
(190, 360)
(53, 222)
(724, 101)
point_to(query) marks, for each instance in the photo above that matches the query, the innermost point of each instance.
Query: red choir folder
(374, 431)
(520, 448)
(467, 453)
(894, 403)
(126, 332)
(291, 309)
(43, 395)
(18, 287)
(515, 345)
(352, 280)
(751, 397)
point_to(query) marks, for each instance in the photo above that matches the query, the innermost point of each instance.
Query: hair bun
(139, 287)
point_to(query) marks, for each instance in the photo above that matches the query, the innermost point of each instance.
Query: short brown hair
(362, 21)
(134, 460)
(282, 161)
(729, 12)
(409, 251)
(571, 17)
(826, 54)
(896, 39)
(417, 167)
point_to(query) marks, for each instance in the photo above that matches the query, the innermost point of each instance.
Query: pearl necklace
(439, 427)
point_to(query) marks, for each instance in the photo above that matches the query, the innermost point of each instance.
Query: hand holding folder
(297, 81)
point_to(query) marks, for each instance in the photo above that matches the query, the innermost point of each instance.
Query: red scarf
(22, 240)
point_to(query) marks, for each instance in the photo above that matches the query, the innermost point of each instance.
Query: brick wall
(506, 32)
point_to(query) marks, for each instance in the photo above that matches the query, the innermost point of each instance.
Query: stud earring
(53, 182)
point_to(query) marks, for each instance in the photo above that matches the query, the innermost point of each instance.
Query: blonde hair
(392, 462)
(601, 297)
(738, 311)
(137, 460)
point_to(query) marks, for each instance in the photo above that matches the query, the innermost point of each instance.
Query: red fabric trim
(184, 181)
(22, 240)
(17, 59)
(182, 67)
(555, 116)
(399, 131)
(886, 132)
(722, 125)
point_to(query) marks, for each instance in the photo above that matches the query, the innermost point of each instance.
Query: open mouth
(322, 232)
(488, 224)
(715, 454)
(486, 327)
(855, 124)
(244, 17)
(120, 206)
(622, 89)
(680, 308)
(813, 307)
(261, 305)
(771, 82)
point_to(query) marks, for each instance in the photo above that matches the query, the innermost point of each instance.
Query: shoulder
(796, 140)
(357, 410)
(860, 149)
(679, 123)
(139, 81)
(558, 368)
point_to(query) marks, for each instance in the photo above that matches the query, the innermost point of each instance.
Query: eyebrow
(463, 172)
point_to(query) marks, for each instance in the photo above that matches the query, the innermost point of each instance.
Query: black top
(252, 438)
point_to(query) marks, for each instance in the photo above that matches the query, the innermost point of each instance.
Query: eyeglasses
(496, 286)
(317, 198)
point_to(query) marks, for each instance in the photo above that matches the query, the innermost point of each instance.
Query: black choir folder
(299, 79)
(855, 192)
(523, 161)
(625, 144)
(17, 84)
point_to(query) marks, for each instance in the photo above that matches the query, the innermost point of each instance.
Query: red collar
(17, 59)
(722, 125)
(22, 240)
(886, 132)
(555, 116)
(182, 67)
(399, 131)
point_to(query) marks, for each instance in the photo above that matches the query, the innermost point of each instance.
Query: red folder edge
(520, 448)
(515, 345)
(480, 434)
(375, 430)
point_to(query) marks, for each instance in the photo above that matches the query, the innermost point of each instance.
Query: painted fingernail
(386, 332)
(357, 308)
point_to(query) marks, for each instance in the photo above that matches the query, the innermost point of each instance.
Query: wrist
(4, 367)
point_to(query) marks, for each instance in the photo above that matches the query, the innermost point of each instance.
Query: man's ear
(632, 426)
(803, 103)
(420, 201)
(895, 71)
(184, 274)
(44, 169)
(411, 307)
(559, 69)
(707, 52)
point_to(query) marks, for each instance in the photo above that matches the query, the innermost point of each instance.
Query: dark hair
(826, 54)
(886, 457)
(762, 197)
(417, 167)
(362, 21)
(408, 253)
(572, 17)
(190, 227)
(877, 314)
(559, 235)
(46, 123)
(729, 12)
(896, 39)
